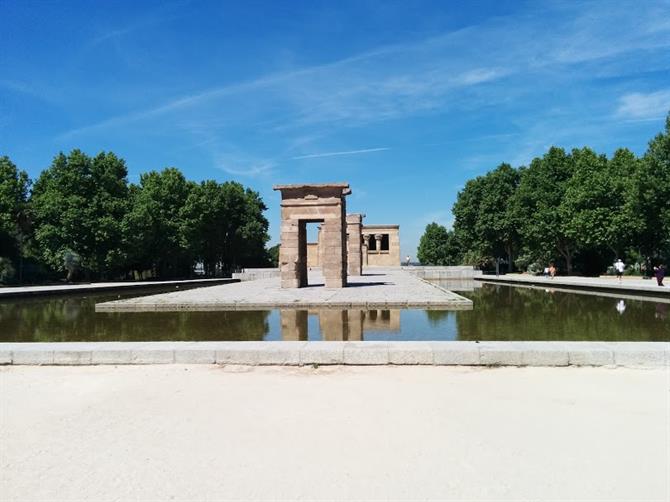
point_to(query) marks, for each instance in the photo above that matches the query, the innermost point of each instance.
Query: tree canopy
(83, 216)
(437, 246)
(578, 209)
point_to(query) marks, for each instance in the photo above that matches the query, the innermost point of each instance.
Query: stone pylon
(320, 203)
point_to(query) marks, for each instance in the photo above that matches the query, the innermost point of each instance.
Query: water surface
(500, 313)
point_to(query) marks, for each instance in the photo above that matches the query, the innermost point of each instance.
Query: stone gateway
(316, 203)
(344, 245)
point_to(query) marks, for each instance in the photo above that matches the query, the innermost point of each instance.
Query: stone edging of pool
(106, 287)
(293, 353)
(596, 284)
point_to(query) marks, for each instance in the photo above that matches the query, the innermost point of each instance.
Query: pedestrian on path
(552, 270)
(659, 272)
(619, 267)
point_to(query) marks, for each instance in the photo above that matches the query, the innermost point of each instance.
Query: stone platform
(378, 288)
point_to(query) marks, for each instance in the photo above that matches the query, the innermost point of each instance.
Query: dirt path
(376, 433)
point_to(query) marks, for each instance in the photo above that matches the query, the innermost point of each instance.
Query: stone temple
(344, 245)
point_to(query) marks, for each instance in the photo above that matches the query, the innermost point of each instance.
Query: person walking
(552, 270)
(659, 272)
(619, 267)
(407, 260)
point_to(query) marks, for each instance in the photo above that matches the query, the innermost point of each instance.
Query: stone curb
(456, 353)
(451, 304)
(131, 286)
(594, 285)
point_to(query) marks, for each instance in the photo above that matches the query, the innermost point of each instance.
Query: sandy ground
(339, 433)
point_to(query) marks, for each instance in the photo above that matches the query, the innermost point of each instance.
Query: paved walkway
(378, 288)
(149, 433)
(64, 289)
(632, 285)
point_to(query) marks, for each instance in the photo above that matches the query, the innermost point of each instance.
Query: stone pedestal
(354, 244)
(302, 204)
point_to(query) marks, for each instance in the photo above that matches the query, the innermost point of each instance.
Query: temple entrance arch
(302, 204)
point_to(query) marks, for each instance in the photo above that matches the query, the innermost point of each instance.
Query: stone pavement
(377, 288)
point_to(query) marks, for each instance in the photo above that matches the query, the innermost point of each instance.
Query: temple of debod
(343, 248)
(344, 245)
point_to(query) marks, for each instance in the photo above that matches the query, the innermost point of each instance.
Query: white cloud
(334, 154)
(251, 170)
(640, 106)
(285, 111)
(480, 75)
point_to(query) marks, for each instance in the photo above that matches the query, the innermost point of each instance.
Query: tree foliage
(225, 225)
(578, 209)
(77, 206)
(83, 217)
(437, 246)
(14, 185)
(152, 228)
(485, 223)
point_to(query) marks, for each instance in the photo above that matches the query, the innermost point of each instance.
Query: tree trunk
(565, 251)
(568, 262)
(510, 258)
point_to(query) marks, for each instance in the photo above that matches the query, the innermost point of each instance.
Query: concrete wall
(252, 274)
(455, 272)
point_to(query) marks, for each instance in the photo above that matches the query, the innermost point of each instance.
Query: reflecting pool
(500, 313)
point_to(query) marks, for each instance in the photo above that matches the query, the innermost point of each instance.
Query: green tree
(14, 185)
(224, 226)
(437, 246)
(273, 255)
(594, 207)
(485, 221)
(153, 226)
(77, 206)
(651, 199)
(543, 223)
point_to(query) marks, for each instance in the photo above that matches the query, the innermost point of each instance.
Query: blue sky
(404, 100)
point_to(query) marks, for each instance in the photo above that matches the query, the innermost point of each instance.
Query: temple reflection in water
(338, 325)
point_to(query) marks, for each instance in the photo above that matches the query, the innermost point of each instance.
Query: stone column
(378, 238)
(334, 244)
(302, 253)
(365, 248)
(355, 256)
(289, 254)
(293, 325)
